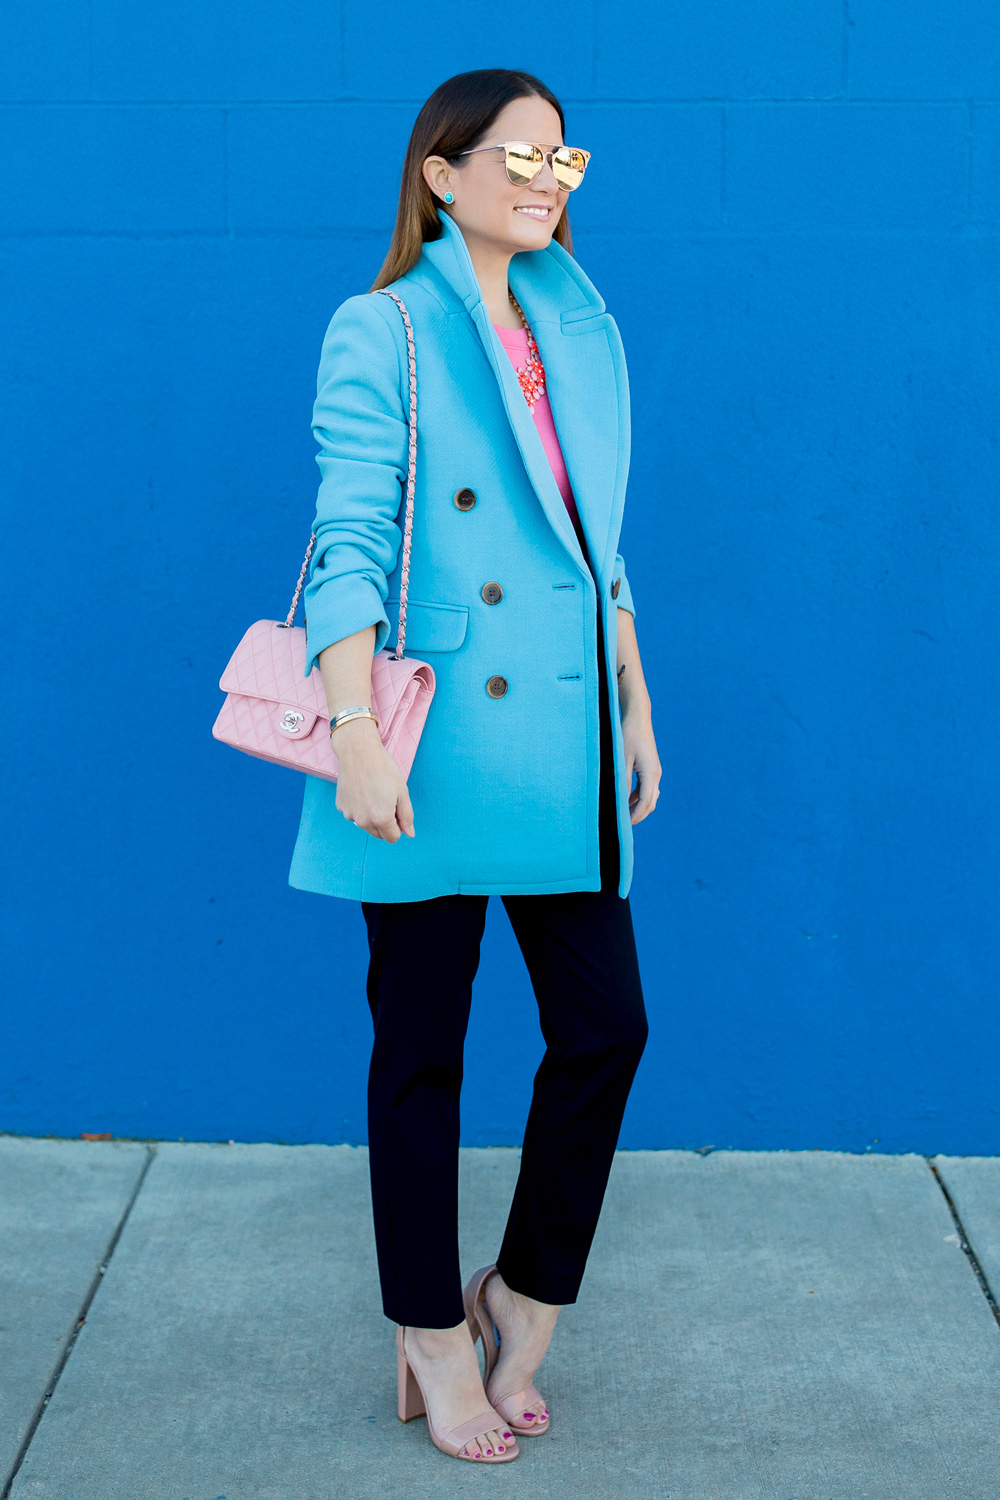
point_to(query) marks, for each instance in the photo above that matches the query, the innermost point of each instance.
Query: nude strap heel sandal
(477, 1315)
(411, 1403)
(514, 1404)
(409, 1396)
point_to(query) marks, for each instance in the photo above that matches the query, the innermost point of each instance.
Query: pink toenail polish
(500, 1448)
(489, 1453)
(508, 1434)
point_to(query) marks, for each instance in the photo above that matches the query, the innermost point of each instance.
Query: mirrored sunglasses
(524, 160)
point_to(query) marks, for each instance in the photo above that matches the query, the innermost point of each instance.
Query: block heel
(412, 1403)
(409, 1397)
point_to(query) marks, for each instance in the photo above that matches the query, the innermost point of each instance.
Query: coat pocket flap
(429, 627)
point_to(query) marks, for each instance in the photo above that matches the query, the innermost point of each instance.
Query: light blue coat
(504, 790)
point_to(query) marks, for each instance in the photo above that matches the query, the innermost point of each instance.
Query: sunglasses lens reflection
(524, 162)
(568, 167)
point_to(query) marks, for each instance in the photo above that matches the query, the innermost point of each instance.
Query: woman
(521, 782)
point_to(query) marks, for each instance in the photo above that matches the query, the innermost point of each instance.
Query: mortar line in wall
(958, 234)
(592, 80)
(81, 1318)
(90, 48)
(831, 101)
(845, 71)
(225, 174)
(654, 101)
(963, 1240)
(724, 171)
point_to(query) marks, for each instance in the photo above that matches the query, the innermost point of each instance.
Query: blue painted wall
(793, 214)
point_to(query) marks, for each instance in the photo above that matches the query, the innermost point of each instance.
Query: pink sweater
(515, 341)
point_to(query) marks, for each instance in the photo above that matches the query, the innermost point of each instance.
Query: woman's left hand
(641, 757)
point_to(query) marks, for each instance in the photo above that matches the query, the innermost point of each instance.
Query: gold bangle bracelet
(347, 714)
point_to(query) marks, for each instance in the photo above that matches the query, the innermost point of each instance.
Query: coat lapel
(567, 317)
(568, 320)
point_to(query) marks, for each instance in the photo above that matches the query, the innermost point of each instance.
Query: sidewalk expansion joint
(81, 1318)
(964, 1245)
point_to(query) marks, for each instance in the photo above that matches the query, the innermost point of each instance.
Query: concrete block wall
(792, 212)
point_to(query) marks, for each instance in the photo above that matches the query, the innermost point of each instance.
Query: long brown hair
(455, 118)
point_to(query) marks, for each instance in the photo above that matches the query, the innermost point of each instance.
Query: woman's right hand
(371, 789)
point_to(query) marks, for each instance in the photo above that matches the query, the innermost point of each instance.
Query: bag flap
(269, 663)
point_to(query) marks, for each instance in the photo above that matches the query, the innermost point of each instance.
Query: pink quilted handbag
(273, 711)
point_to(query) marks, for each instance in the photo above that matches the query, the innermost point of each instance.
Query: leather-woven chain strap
(411, 477)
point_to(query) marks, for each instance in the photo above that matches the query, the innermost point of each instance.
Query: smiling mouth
(533, 210)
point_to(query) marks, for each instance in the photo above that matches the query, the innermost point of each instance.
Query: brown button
(615, 587)
(496, 687)
(464, 499)
(492, 593)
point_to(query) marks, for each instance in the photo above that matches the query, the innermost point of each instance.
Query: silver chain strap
(411, 479)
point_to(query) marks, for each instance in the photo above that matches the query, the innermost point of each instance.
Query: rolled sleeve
(361, 428)
(624, 599)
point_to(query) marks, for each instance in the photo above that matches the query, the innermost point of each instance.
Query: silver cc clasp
(292, 721)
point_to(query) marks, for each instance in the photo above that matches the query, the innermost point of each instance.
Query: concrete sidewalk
(753, 1326)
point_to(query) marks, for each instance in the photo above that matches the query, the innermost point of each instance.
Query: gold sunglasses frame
(548, 155)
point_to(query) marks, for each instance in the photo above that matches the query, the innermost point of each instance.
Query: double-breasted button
(464, 499)
(492, 593)
(496, 687)
(615, 587)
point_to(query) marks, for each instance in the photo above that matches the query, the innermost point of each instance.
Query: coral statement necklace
(531, 375)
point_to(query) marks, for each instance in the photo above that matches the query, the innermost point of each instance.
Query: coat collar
(582, 378)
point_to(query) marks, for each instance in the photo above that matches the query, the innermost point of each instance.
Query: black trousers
(581, 958)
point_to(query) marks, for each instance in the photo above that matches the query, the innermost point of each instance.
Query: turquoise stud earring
(449, 197)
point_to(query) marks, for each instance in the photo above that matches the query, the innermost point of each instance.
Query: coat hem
(464, 888)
